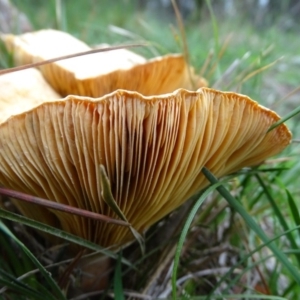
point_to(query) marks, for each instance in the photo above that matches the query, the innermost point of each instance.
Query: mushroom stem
(95, 271)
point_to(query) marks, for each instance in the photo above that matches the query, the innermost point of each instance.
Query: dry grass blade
(61, 207)
(206, 63)
(48, 61)
(219, 57)
(290, 94)
(255, 72)
(183, 36)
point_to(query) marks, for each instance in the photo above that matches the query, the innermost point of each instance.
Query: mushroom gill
(152, 148)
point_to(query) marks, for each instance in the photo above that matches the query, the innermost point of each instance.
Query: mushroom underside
(152, 148)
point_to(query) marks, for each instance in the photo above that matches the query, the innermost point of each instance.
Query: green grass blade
(293, 113)
(55, 288)
(240, 296)
(294, 209)
(118, 286)
(185, 230)
(260, 194)
(253, 225)
(60, 11)
(13, 284)
(6, 57)
(289, 289)
(60, 233)
(215, 25)
(279, 215)
(9, 260)
(243, 260)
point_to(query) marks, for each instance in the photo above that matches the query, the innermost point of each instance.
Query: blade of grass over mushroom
(253, 225)
(278, 213)
(60, 233)
(55, 288)
(290, 115)
(52, 60)
(61, 207)
(110, 201)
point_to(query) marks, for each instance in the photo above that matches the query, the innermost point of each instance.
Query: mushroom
(151, 149)
(23, 90)
(98, 74)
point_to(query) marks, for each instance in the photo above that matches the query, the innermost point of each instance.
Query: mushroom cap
(23, 90)
(95, 75)
(152, 148)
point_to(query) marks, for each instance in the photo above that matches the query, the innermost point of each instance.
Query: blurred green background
(254, 33)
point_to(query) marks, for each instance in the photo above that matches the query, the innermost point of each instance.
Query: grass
(241, 241)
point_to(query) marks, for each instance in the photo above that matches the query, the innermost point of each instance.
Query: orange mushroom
(151, 148)
(23, 90)
(98, 74)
